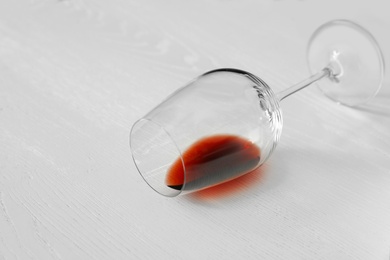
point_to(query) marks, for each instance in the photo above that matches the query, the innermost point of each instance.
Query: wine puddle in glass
(227, 122)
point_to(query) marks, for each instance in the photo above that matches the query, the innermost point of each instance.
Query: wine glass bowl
(224, 103)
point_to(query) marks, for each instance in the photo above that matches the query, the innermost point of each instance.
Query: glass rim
(177, 148)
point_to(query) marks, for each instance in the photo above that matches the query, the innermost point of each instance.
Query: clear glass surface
(355, 58)
(227, 122)
(221, 102)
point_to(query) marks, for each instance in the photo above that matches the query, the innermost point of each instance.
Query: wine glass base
(354, 58)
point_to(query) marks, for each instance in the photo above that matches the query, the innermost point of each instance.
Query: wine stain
(213, 160)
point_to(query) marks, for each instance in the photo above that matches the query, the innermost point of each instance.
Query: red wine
(213, 160)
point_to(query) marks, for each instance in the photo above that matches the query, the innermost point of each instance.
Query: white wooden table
(76, 74)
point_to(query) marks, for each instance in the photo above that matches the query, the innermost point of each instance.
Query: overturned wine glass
(227, 122)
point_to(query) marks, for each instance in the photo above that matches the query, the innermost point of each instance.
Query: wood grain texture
(76, 74)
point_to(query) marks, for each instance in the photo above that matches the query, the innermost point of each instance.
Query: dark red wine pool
(213, 160)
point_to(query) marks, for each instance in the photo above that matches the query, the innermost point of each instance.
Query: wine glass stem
(326, 72)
